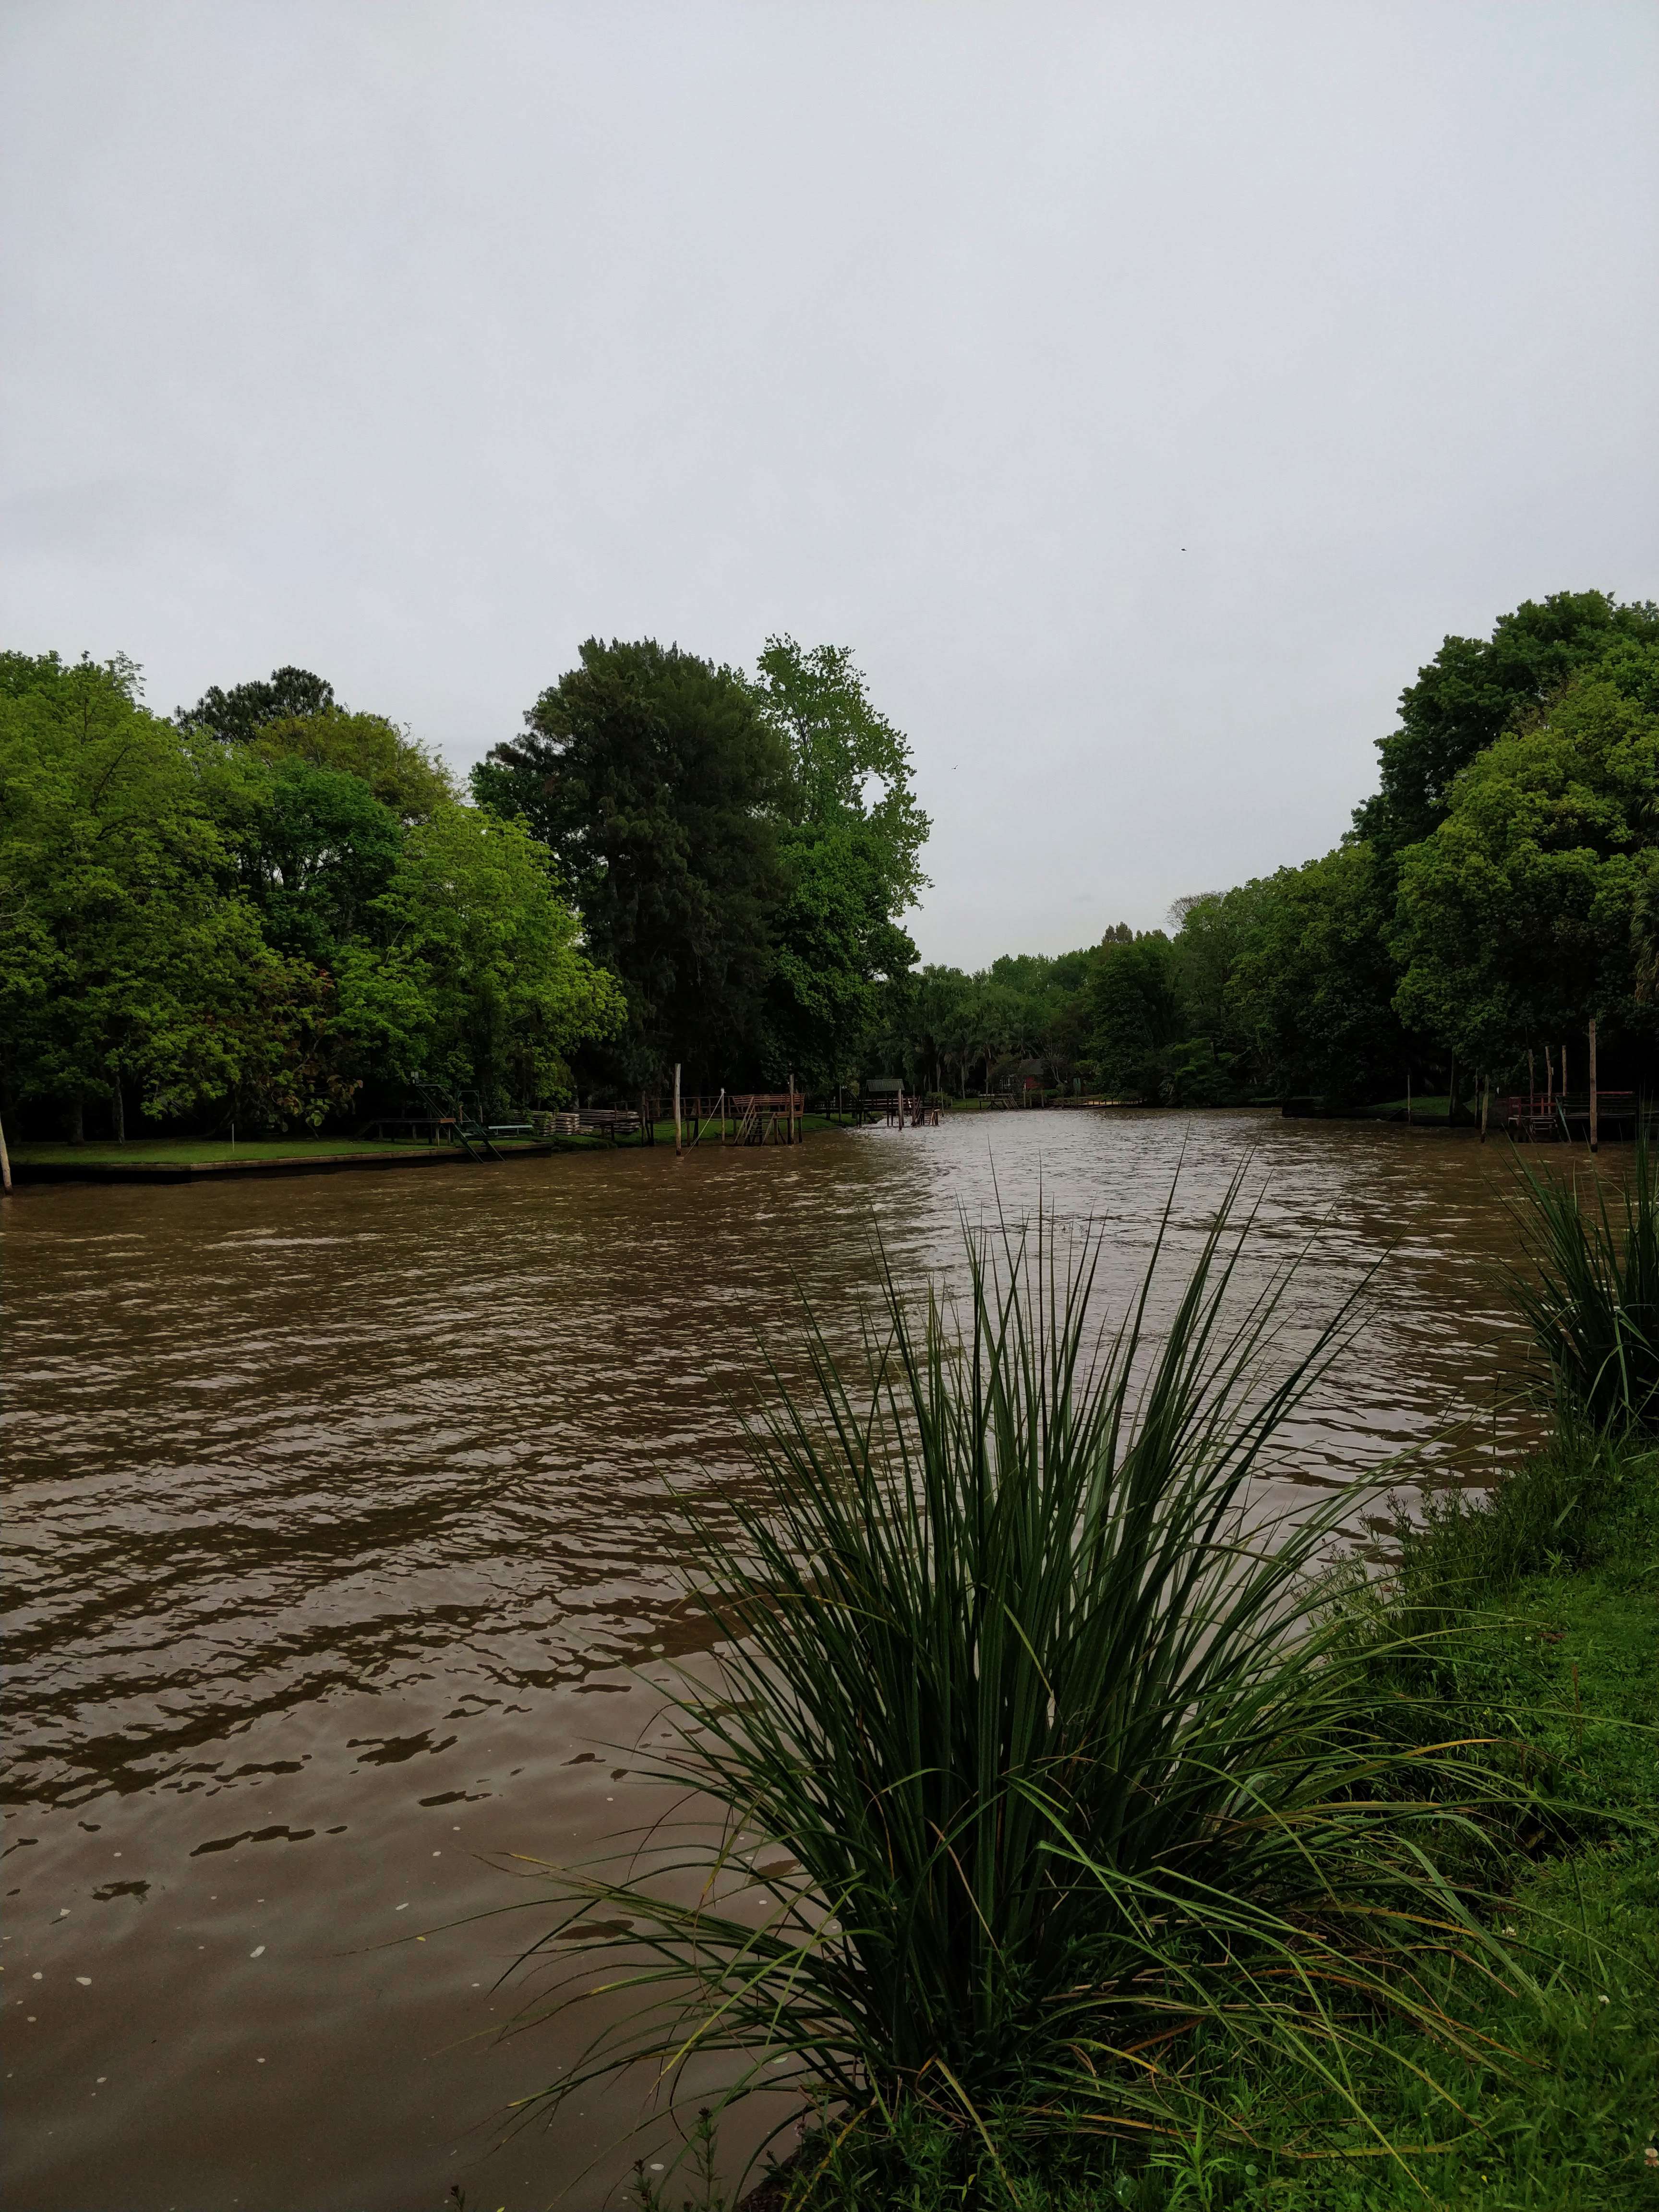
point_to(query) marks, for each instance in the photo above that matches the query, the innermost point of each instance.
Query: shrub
(1594, 1306)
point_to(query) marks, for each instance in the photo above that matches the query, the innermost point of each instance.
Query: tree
(237, 716)
(1474, 689)
(1313, 986)
(1645, 932)
(1519, 919)
(835, 946)
(1134, 1003)
(849, 846)
(1213, 929)
(126, 955)
(478, 978)
(848, 765)
(296, 717)
(659, 786)
(317, 849)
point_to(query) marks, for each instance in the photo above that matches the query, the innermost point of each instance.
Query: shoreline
(44, 1172)
(189, 1165)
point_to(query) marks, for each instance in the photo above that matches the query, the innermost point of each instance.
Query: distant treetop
(1475, 689)
(239, 714)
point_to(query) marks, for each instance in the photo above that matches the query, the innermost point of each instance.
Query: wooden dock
(1545, 1117)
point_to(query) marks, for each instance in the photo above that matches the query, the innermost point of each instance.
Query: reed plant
(1591, 1299)
(1076, 1774)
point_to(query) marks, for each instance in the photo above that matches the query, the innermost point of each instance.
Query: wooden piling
(1593, 1131)
(678, 1151)
(5, 1161)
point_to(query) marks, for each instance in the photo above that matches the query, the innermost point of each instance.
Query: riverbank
(189, 1160)
(1545, 1650)
(1540, 1604)
(193, 1159)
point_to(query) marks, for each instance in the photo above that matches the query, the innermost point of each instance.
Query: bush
(1594, 1306)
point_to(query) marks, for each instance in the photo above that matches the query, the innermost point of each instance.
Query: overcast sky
(1142, 391)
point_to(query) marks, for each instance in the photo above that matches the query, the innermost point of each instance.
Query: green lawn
(202, 1151)
(187, 1151)
(1430, 1109)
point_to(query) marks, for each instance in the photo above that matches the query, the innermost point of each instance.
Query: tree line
(1497, 891)
(274, 909)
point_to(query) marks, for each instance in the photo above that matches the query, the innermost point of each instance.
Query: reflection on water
(336, 1509)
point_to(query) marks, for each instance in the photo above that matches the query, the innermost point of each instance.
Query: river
(339, 1525)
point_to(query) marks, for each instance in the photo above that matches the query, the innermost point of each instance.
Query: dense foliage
(741, 849)
(273, 909)
(1500, 892)
(268, 911)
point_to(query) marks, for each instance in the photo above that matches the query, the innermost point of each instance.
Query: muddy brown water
(342, 1558)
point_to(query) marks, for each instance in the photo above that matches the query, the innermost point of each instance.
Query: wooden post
(677, 1152)
(5, 1160)
(1486, 1102)
(1409, 1094)
(1532, 1093)
(1593, 1131)
(1549, 1084)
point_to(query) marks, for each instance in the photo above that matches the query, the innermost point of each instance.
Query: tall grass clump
(1592, 1303)
(1078, 1777)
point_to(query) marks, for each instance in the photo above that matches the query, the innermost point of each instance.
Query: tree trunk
(75, 1119)
(117, 1112)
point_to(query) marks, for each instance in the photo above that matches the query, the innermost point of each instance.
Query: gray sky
(1141, 391)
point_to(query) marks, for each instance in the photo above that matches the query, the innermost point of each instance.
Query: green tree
(476, 975)
(296, 717)
(1474, 689)
(659, 786)
(1519, 918)
(849, 847)
(1214, 930)
(834, 949)
(1136, 1015)
(317, 849)
(127, 957)
(848, 765)
(236, 716)
(1645, 932)
(1313, 986)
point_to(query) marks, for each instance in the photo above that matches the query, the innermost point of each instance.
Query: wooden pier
(1545, 1117)
(735, 1118)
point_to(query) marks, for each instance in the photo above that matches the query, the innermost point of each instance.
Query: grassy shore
(199, 1152)
(221, 1151)
(1533, 1622)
